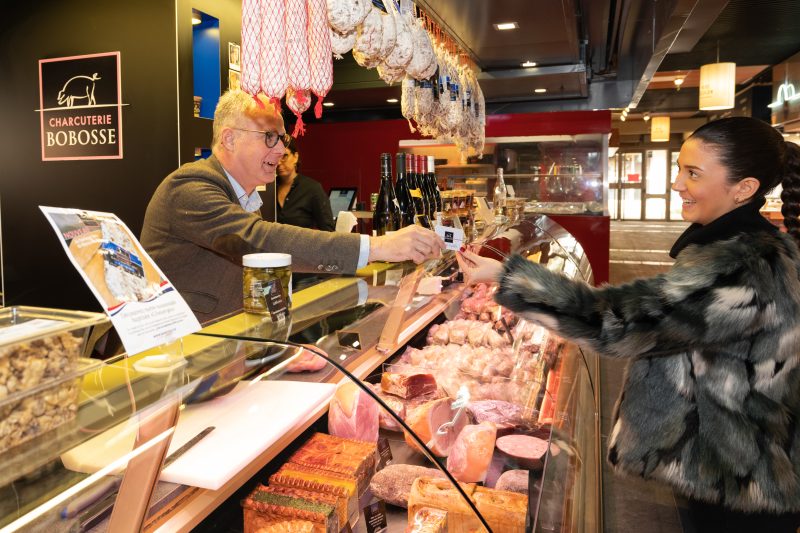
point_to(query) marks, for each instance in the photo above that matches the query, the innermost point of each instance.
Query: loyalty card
(453, 237)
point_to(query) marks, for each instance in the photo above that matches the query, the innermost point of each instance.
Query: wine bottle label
(415, 193)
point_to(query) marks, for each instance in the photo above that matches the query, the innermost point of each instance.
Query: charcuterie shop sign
(80, 99)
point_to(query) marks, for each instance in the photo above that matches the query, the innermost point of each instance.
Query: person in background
(205, 216)
(301, 200)
(711, 399)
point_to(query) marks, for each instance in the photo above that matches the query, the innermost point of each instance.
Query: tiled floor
(638, 249)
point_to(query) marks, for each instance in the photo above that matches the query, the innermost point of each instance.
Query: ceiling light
(622, 118)
(540, 90)
(625, 112)
(678, 82)
(529, 64)
(646, 117)
(659, 129)
(328, 104)
(502, 26)
(196, 20)
(392, 100)
(717, 86)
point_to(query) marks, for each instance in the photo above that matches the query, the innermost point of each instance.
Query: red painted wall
(347, 154)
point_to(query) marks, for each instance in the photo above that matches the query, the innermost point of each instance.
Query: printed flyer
(144, 307)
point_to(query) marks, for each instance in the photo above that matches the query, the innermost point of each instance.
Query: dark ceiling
(590, 54)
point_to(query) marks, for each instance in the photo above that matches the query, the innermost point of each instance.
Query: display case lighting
(528, 64)
(540, 90)
(328, 104)
(504, 26)
(196, 19)
(392, 100)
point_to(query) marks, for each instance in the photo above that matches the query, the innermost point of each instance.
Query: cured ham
(408, 386)
(307, 361)
(506, 416)
(472, 452)
(425, 422)
(319, 52)
(353, 414)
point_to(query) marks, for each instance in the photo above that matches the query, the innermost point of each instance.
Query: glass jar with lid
(267, 284)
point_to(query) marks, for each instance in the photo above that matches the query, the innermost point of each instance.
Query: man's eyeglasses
(271, 138)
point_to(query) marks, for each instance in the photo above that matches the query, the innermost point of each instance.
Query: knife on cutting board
(97, 513)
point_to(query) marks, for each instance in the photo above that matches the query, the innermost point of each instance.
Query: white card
(453, 237)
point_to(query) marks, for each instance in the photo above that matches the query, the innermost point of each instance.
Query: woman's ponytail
(791, 191)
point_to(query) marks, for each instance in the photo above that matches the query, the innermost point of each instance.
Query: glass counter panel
(655, 209)
(631, 200)
(631, 171)
(656, 172)
(613, 197)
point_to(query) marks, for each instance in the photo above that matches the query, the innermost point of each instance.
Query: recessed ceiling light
(540, 90)
(646, 117)
(328, 104)
(529, 64)
(506, 26)
(392, 100)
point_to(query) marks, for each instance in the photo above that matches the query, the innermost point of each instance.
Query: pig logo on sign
(76, 88)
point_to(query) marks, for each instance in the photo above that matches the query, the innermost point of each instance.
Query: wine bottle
(386, 216)
(421, 216)
(499, 200)
(434, 184)
(404, 201)
(426, 188)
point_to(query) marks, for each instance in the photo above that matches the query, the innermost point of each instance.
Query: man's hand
(478, 269)
(412, 242)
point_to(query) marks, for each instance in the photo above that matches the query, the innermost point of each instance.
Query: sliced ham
(527, 451)
(426, 419)
(472, 452)
(408, 386)
(353, 414)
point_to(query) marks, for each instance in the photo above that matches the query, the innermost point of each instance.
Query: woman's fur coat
(711, 397)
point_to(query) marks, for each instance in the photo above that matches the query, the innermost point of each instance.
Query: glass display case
(428, 409)
(559, 174)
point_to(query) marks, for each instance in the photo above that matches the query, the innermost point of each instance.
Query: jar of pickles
(267, 284)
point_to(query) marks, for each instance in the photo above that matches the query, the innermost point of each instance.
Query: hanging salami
(341, 43)
(251, 46)
(345, 15)
(319, 52)
(297, 44)
(274, 66)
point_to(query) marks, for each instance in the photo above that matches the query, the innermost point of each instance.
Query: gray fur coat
(711, 398)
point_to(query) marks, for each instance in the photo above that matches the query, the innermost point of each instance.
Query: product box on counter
(41, 369)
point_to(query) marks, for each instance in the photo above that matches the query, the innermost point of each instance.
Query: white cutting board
(247, 421)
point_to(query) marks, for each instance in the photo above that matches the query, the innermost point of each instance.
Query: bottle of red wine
(434, 184)
(402, 193)
(423, 177)
(417, 196)
(386, 216)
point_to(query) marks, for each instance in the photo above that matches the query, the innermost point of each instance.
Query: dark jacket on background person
(711, 398)
(306, 205)
(196, 231)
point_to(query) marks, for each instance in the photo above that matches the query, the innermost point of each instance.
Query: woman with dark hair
(301, 200)
(711, 399)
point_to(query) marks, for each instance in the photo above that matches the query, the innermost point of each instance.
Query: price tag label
(453, 237)
(385, 452)
(375, 517)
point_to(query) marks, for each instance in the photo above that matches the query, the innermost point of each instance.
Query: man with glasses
(205, 216)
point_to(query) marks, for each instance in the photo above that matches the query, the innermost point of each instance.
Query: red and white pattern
(297, 44)
(274, 75)
(319, 52)
(251, 46)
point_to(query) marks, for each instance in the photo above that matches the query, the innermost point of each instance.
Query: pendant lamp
(717, 85)
(659, 129)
